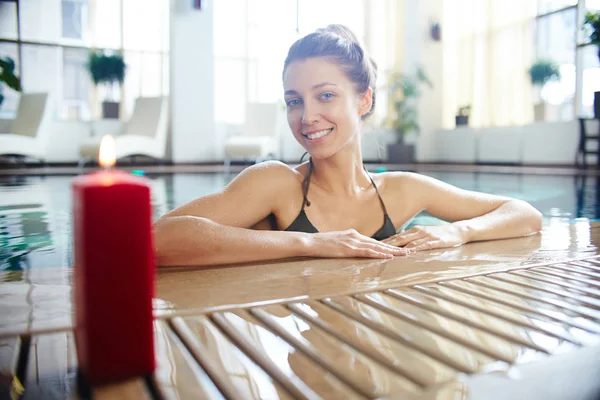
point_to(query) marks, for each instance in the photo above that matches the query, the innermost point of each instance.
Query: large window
(545, 7)
(486, 60)
(588, 62)
(590, 79)
(556, 32)
(56, 37)
(251, 41)
(487, 49)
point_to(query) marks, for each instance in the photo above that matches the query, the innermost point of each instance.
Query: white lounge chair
(28, 133)
(259, 140)
(145, 133)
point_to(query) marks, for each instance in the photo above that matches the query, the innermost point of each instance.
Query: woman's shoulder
(401, 183)
(272, 173)
(404, 193)
(396, 179)
(414, 184)
(277, 169)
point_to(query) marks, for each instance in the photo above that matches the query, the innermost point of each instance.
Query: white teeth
(319, 134)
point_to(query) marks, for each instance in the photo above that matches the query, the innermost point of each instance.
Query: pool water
(35, 220)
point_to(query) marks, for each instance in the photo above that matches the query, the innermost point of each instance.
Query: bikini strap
(376, 190)
(306, 184)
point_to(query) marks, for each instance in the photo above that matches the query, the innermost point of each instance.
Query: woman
(330, 206)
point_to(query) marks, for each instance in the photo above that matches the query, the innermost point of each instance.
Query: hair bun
(342, 31)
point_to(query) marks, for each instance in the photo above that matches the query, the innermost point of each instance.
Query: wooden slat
(573, 286)
(304, 378)
(488, 323)
(491, 345)
(228, 366)
(34, 308)
(364, 374)
(581, 270)
(587, 265)
(187, 332)
(443, 349)
(556, 308)
(177, 374)
(592, 261)
(52, 367)
(549, 341)
(551, 288)
(583, 280)
(127, 390)
(416, 366)
(544, 321)
(9, 353)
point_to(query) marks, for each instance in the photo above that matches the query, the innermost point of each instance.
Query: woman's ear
(365, 102)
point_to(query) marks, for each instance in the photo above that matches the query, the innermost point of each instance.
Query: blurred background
(460, 81)
(498, 96)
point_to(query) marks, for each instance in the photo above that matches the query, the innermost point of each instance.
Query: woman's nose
(310, 115)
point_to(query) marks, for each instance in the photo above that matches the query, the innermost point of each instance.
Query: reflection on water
(22, 231)
(35, 216)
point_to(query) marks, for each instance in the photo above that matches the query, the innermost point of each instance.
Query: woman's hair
(339, 43)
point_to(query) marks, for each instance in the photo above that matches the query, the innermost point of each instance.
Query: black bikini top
(303, 224)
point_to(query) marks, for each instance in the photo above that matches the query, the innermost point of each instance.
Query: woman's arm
(214, 229)
(475, 216)
(190, 240)
(513, 218)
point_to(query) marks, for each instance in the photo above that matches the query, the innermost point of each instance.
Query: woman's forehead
(303, 75)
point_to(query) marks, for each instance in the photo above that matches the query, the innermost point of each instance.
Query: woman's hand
(350, 244)
(428, 237)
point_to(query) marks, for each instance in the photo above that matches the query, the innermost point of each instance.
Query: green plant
(464, 111)
(404, 92)
(543, 71)
(7, 76)
(106, 69)
(591, 24)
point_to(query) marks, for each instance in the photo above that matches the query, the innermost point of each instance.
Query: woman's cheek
(293, 117)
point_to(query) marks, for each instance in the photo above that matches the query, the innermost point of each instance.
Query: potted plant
(591, 24)
(404, 92)
(108, 70)
(462, 117)
(7, 76)
(541, 72)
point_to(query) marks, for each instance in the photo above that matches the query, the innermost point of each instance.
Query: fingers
(371, 253)
(384, 246)
(387, 247)
(415, 239)
(364, 246)
(416, 243)
(433, 244)
(404, 238)
(353, 244)
(376, 252)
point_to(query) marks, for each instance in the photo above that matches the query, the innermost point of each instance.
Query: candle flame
(106, 155)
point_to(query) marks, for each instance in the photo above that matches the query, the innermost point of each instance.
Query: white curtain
(487, 50)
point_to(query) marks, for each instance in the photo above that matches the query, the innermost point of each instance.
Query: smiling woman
(268, 212)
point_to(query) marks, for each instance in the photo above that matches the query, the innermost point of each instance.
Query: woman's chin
(320, 154)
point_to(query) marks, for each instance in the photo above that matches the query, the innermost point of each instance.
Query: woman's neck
(342, 174)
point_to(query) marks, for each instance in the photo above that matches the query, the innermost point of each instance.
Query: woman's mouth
(318, 134)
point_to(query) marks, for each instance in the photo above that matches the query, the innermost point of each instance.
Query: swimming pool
(35, 220)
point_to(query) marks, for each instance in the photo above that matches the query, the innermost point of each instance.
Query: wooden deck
(516, 318)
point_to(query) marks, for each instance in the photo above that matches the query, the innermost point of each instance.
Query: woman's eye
(292, 103)
(327, 96)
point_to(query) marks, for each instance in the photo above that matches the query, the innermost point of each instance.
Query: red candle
(113, 273)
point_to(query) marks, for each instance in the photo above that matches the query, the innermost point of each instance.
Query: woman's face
(323, 109)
